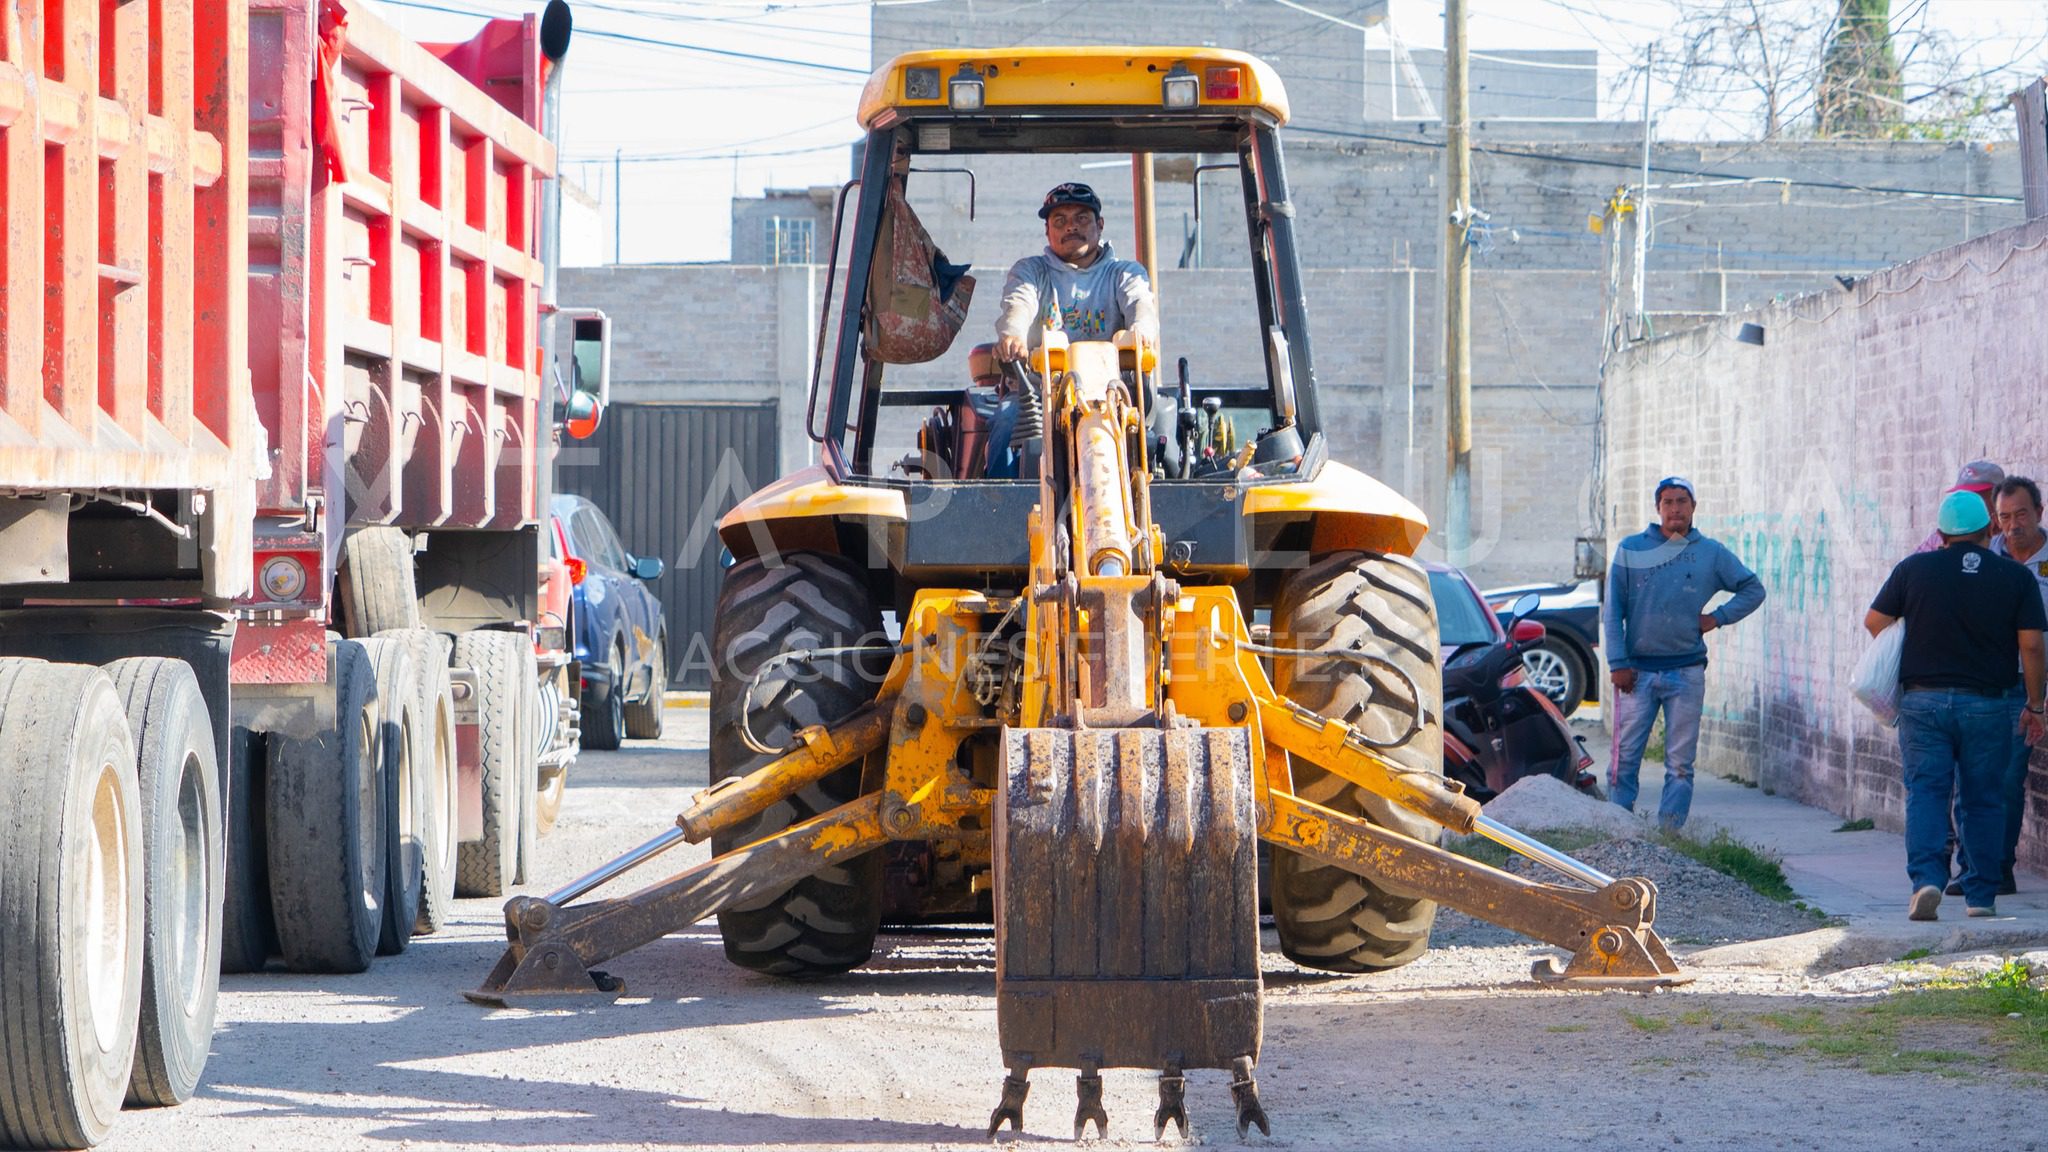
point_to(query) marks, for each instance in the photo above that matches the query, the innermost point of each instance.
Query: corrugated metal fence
(664, 474)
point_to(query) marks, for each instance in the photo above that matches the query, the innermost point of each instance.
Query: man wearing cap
(1973, 627)
(1655, 624)
(1980, 476)
(1076, 284)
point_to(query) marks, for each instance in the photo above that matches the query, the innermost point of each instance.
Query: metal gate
(664, 474)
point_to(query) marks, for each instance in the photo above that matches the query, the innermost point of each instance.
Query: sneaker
(1982, 913)
(1926, 899)
(1955, 888)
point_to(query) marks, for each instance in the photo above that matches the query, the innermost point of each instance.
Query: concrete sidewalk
(1858, 877)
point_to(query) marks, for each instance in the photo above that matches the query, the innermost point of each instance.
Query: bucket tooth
(1016, 1086)
(1088, 1090)
(1173, 1103)
(1245, 1092)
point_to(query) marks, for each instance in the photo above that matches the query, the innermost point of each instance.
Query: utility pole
(618, 206)
(1642, 326)
(1457, 291)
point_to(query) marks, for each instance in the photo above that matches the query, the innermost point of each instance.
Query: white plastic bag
(1876, 682)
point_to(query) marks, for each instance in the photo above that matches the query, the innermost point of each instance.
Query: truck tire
(436, 771)
(401, 740)
(527, 864)
(184, 875)
(325, 822)
(504, 681)
(604, 708)
(1330, 918)
(826, 922)
(248, 935)
(643, 717)
(379, 590)
(554, 782)
(71, 917)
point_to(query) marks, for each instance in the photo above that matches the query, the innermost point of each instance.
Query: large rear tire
(643, 717)
(402, 739)
(184, 875)
(71, 917)
(504, 682)
(379, 588)
(326, 828)
(1330, 918)
(434, 766)
(248, 932)
(826, 922)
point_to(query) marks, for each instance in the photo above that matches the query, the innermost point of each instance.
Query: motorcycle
(1498, 728)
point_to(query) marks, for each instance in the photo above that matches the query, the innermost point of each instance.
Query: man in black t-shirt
(1973, 628)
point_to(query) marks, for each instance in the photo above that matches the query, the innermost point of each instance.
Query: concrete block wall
(1820, 458)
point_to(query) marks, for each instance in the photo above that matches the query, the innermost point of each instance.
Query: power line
(1591, 161)
(629, 38)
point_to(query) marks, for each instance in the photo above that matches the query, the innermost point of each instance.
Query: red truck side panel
(123, 322)
(402, 360)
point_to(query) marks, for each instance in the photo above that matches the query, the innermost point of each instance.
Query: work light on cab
(963, 93)
(1181, 89)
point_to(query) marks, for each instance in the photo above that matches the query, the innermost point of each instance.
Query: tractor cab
(909, 401)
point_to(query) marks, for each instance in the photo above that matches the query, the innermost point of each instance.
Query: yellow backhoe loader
(1075, 725)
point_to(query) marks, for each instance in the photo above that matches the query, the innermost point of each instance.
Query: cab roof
(1022, 81)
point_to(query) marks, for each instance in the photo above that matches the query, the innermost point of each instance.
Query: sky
(672, 107)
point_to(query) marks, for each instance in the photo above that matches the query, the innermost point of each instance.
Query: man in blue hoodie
(1655, 624)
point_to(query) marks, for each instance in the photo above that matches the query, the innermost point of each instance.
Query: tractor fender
(1351, 511)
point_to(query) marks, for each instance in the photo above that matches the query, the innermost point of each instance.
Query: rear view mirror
(585, 362)
(646, 567)
(1525, 605)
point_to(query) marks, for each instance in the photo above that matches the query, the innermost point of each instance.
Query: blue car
(621, 639)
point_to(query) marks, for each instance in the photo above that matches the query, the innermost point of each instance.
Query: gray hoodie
(1093, 302)
(1656, 591)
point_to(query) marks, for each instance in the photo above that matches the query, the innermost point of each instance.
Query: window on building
(788, 239)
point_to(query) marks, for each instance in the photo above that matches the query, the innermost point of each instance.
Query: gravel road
(1459, 1050)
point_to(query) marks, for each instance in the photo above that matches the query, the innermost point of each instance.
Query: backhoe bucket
(1127, 899)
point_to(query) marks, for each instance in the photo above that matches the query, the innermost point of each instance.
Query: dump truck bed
(122, 289)
(394, 271)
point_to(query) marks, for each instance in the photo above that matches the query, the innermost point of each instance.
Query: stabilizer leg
(1607, 930)
(553, 947)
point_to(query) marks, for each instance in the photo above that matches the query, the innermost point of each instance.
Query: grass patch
(1725, 854)
(1566, 840)
(1732, 778)
(1567, 1028)
(1650, 1024)
(1863, 825)
(1916, 954)
(2000, 1015)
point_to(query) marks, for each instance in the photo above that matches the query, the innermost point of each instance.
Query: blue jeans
(1681, 693)
(1955, 745)
(2012, 790)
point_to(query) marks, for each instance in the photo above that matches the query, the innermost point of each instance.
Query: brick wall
(1820, 458)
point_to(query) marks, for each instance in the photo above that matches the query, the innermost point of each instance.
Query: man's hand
(2032, 727)
(1624, 679)
(1010, 349)
(1708, 623)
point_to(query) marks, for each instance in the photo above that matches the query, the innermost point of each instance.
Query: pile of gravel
(1535, 803)
(1695, 904)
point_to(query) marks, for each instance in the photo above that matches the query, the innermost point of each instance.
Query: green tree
(1860, 93)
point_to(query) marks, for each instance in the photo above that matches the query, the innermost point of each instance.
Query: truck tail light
(1222, 84)
(281, 576)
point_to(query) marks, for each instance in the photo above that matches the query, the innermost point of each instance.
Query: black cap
(1071, 193)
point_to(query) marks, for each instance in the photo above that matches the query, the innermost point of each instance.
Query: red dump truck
(277, 415)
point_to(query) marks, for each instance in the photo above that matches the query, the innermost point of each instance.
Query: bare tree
(1837, 68)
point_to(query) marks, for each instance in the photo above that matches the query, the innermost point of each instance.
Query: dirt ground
(1460, 1050)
